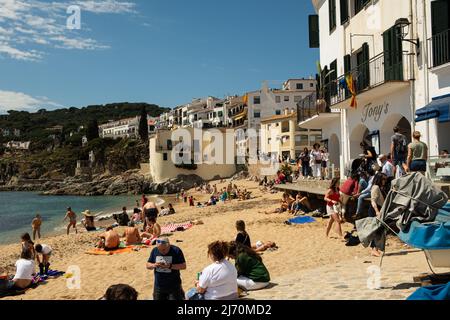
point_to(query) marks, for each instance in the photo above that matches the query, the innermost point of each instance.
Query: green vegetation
(35, 126)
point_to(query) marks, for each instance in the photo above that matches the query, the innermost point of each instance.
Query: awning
(321, 120)
(438, 108)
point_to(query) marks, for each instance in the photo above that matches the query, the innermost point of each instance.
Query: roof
(280, 117)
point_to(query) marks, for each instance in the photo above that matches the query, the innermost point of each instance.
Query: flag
(351, 88)
(246, 99)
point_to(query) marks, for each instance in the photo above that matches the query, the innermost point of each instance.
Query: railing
(439, 49)
(385, 67)
(309, 107)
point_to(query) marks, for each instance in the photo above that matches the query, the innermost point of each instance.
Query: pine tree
(92, 130)
(143, 125)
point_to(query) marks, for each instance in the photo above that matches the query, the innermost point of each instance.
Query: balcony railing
(439, 49)
(309, 107)
(383, 68)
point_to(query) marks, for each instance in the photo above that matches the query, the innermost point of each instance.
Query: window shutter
(347, 63)
(439, 18)
(314, 31)
(332, 13)
(344, 11)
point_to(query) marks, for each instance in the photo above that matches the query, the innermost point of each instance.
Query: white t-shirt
(46, 249)
(219, 279)
(24, 269)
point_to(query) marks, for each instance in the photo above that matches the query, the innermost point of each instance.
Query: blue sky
(155, 51)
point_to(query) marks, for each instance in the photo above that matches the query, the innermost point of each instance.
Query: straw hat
(87, 213)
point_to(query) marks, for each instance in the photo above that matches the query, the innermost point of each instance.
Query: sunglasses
(161, 242)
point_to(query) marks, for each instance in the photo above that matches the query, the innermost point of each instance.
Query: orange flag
(351, 88)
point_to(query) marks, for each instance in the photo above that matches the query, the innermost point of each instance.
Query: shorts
(324, 164)
(151, 212)
(330, 211)
(418, 166)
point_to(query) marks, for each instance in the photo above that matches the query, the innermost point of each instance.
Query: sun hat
(87, 213)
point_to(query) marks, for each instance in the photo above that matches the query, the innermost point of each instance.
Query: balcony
(313, 113)
(439, 49)
(382, 75)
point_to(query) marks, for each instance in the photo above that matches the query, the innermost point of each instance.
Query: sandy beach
(301, 248)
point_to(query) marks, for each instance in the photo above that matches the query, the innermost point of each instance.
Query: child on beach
(332, 197)
(36, 226)
(46, 252)
(152, 232)
(27, 244)
(72, 220)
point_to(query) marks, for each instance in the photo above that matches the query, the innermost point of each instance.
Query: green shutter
(439, 16)
(347, 69)
(332, 14)
(365, 68)
(314, 31)
(393, 55)
(344, 11)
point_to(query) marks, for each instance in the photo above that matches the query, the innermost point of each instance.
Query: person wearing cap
(386, 167)
(167, 260)
(72, 220)
(88, 221)
(417, 155)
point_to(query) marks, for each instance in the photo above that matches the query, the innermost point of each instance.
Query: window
(220, 114)
(277, 99)
(277, 112)
(359, 5)
(257, 100)
(311, 85)
(297, 98)
(299, 86)
(344, 11)
(332, 14)
(269, 140)
(165, 156)
(169, 144)
(286, 98)
(314, 39)
(257, 114)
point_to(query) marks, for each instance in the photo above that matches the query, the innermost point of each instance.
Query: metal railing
(310, 106)
(439, 49)
(385, 67)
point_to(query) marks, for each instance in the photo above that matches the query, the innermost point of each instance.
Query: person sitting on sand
(122, 218)
(286, 204)
(36, 226)
(136, 215)
(72, 220)
(25, 271)
(251, 271)
(27, 244)
(45, 251)
(218, 280)
(131, 234)
(109, 240)
(164, 211)
(301, 205)
(333, 199)
(244, 238)
(153, 230)
(171, 209)
(88, 221)
(121, 292)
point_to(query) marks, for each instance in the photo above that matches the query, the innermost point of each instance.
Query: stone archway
(359, 133)
(386, 131)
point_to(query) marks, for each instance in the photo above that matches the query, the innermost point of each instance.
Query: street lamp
(402, 26)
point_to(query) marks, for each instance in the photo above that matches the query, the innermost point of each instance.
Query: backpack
(400, 147)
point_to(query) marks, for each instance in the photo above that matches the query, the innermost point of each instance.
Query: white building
(365, 39)
(124, 128)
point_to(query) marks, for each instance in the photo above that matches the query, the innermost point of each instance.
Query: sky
(165, 52)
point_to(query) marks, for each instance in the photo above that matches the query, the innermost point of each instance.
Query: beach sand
(301, 248)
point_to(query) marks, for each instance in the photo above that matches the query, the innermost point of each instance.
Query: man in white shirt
(387, 167)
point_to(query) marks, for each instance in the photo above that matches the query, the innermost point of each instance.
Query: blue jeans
(418, 166)
(361, 199)
(305, 169)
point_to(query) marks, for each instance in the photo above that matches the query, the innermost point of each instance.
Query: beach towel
(302, 220)
(172, 227)
(436, 292)
(102, 252)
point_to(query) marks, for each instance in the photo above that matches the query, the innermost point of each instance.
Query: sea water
(17, 210)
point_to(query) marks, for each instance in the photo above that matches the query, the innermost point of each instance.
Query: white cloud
(11, 100)
(28, 27)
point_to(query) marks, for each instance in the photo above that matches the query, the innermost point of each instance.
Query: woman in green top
(252, 274)
(417, 155)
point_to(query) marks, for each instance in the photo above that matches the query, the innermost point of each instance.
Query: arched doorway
(334, 149)
(387, 130)
(359, 133)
